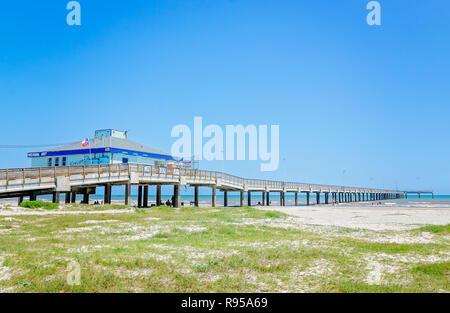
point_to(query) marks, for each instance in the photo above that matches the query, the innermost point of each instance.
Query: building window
(49, 162)
(56, 161)
(64, 161)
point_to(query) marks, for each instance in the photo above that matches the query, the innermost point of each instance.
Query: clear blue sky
(356, 105)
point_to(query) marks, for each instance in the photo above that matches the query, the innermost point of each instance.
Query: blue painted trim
(99, 150)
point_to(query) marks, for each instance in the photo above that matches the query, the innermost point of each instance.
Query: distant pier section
(419, 193)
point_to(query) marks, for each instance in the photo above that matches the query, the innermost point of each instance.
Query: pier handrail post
(7, 181)
(40, 176)
(84, 172)
(23, 176)
(98, 168)
(68, 171)
(54, 172)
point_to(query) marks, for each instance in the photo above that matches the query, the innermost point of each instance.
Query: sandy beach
(373, 217)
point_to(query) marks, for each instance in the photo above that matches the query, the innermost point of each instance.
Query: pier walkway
(84, 179)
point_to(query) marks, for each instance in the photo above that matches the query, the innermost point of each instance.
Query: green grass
(162, 249)
(437, 229)
(39, 205)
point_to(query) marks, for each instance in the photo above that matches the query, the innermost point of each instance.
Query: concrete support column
(145, 202)
(317, 197)
(158, 195)
(307, 198)
(282, 198)
(241, 199)
(86, 197)
(55, 197)
(267, 198)
(195, 195)
(249, 198)
(33, 196)
(128, 194)
(20, 200)
(326, 197)
(263, 198)
(67, 197)
(176, 196)
(73, 197)
(139, 196)
(107, 194)
(296, 198)
(225, 198)
(213, 196)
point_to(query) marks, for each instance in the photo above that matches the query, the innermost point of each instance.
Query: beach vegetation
(39, 205)
(222, 249)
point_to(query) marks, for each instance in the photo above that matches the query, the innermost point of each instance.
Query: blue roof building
(109, 146)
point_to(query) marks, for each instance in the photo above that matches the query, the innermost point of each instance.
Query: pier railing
(23, 176)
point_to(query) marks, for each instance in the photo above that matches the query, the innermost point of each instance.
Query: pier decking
(84, 179)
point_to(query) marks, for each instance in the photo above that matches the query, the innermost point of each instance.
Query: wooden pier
(84, 179)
